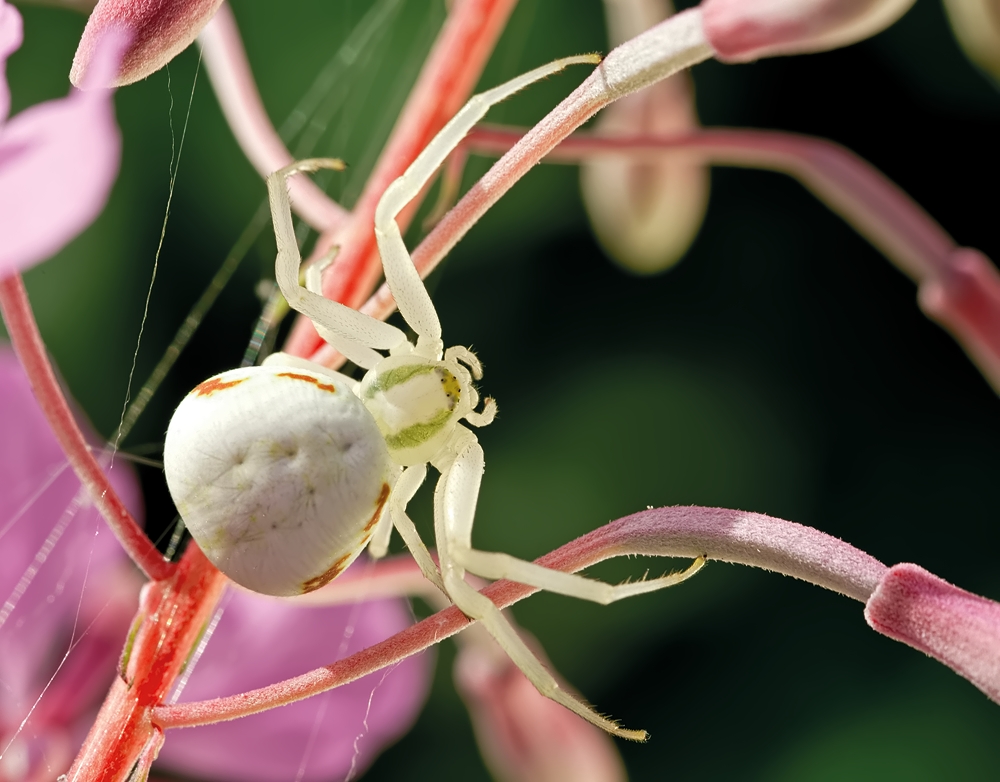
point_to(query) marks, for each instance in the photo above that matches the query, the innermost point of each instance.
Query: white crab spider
(283, 473)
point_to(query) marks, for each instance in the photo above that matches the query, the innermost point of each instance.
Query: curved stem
(959, 287)
(30, 350)
(719, 534)
(233, 82)
(849, 185)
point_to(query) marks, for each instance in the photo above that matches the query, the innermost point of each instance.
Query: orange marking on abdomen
(379, 504)
(209, 387)
(322, 386)
(325, 578)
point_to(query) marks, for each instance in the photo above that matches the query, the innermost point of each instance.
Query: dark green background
(782, 367)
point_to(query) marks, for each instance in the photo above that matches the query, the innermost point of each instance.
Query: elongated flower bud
(965, 299)
(160, 29)
(744, 30)
(976, 24)
(645, 212)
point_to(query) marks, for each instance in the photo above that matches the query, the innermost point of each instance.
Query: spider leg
(490, 564)
(353, 334)
(406, 486)
(467, 357)
(484, 418)
(407, 288)
(454, 510)
(494, 565)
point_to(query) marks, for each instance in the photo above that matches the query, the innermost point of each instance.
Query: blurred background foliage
(782, 367)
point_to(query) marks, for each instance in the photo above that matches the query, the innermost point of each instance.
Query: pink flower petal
(160, 29)
(63, 579)
(261, 640)
(955, 627)
(11, 35)
(58, 161)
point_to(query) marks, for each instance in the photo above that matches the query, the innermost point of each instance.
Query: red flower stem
(724, 535)
(172, 614)
(445, 83)
(30, 349)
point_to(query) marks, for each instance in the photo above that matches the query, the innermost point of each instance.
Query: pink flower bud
(958, 628)
(160, 30)
(743, 30)
(524, 736)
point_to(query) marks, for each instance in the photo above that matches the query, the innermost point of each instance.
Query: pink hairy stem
(27, 343)
(445, 83)
(959, 287)
(719, 534)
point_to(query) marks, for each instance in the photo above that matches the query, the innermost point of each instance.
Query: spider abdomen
(279, 474)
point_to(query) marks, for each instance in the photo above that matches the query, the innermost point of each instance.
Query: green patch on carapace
(418, 434)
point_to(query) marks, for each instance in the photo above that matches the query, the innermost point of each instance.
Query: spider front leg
(409, 481)
(407, 288)
(355, 335)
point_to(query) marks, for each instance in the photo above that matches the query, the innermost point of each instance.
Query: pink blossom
(260, 640)
(11, 35)
(58, 159)
(68, 588)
